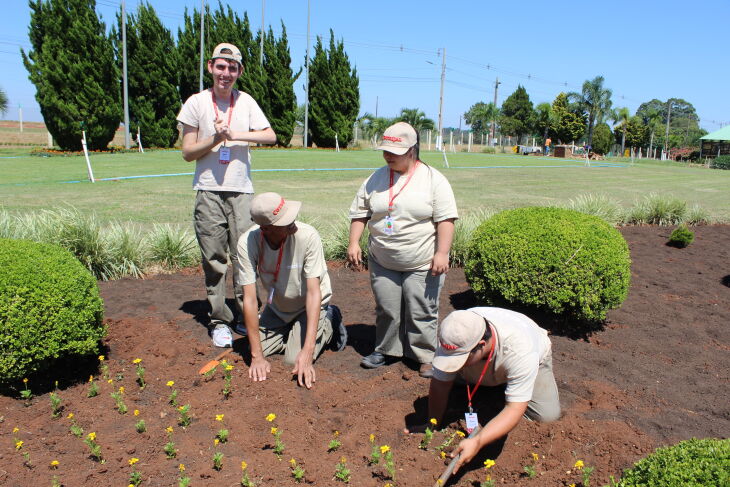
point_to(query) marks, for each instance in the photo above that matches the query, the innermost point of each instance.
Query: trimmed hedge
(557, 260)
(681, 237)
(49, 308)
(721, 162)
(691, 463)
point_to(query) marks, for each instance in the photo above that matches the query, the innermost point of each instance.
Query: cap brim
(447, 362)
(291, 210)
(399, 151)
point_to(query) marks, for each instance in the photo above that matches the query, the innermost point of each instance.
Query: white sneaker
(222, 336)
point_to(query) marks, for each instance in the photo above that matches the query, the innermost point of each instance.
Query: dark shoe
(426, 371)
(339, 332)
(373, 361)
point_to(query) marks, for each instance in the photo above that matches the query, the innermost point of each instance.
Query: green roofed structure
(716, 144)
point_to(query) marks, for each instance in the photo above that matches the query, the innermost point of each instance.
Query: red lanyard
(390, 188)
(230, 108)
(278, 260)
(470, 393)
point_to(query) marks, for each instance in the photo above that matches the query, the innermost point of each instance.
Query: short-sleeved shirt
(520, 348)
(427, 199)
(210, 173)
(302, 259)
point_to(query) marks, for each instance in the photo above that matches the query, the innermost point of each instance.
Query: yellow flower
(91, 378)
(181, 467)
(229, 367)
(244, 465)
(443, 454)
(136, 412)
(384, 449)
(169, 429)
(136, 361)
(293, 462)
(54, 464)
(440, 482)
(132, 461)
(121, 389)
(70, 416)
(15, 430)
(109, 381)
(274, 430)
(270, 417)
(19, 444)
(131, 485)
(433, 421)
(170, 383)
(460, 434)
(372, 438)
(25, 380)
(343, 459)
(578, 464)
(535, 457)
(216, 441)
(488, 464)
(571, 485)
(336, 433)
(101, 358)
(388, 485)
(219, 417)
(91, 436)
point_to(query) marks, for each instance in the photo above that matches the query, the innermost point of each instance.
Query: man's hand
(259, 369)
(222, 131)
(354, 254)
(467, 448)
(440, 264)
(304, 370)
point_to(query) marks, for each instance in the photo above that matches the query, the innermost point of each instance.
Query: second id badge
(224, 155)
(388, 228)
(471, 421)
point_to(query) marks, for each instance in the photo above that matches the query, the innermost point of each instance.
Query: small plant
(278, 444)
(227, 376)
(19, 447)
(222, 434)
(681, 237)
(427, 435)
(104, 368)
(135, 478)
(245, 480)
(217, 458)
(335, 442)
(75, 429)
(296, 471)
(55, 481)
(374, 451)
(585, 471)
(449, 440)
(54, 464)
(184, 418)
(56, 407)
(93, 387)
(342, 473)
(140, 372)
(119, 400)
(26, 394)
(488, 482)
(182, 481)
(94, 447)
(169, 447)
(388, 459)
(173, 395)
(531, 469)
(140, 425)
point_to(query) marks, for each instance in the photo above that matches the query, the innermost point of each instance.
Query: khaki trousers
(288, 338)
(545, 403)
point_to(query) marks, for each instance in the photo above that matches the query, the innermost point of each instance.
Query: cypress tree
(73, 69)
(569, 125)
(517, 115)
(280, 98)
(334, 96)
(152, 77)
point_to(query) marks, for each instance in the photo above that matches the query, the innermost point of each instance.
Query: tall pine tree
(152, 77)
(334, 95)
(517, 115)
(281, 102)
(73, 69)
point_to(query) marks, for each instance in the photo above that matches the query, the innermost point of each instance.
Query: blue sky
(645, 49)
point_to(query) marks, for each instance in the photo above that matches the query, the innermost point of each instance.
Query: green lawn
(479, 181)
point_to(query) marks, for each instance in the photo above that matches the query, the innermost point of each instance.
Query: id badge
(389, 229)
(224, 155)
(271, 296)
(472, 421)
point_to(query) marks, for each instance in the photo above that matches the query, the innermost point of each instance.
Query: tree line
(76, 67)
(583, 116)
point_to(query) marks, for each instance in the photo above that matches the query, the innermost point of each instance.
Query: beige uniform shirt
(302, 258)
(210, 173)
(426, 200)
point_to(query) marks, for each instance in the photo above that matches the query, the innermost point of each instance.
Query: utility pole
(376, 107)
(439, 137)
(666, 134)
(124, 76)
(202, 43)
(261, 56)
(306, 87)
(496, 87)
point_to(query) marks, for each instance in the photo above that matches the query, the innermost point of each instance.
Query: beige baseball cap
(272, 209)
(458, 334)
(398, 138)
(227, 51)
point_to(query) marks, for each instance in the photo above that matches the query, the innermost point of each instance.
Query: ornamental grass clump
(49, 304)
(681, 237)
(556, 260)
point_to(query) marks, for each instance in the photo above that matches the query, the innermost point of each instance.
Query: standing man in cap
(218, 126)
(492, 347)
(298, 321)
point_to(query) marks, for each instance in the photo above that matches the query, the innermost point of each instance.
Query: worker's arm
(498, 427)
(303, 365)
(354, 252)
(444, 238)
(192, 148)
(438, 398)
(260, 367)
(265, 136)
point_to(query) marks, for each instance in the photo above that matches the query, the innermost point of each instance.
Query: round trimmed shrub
(691, 463)
(681, 237)
(49, 308)
(557, 260)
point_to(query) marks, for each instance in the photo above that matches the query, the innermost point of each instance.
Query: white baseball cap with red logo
(398, 138)
(458, 334)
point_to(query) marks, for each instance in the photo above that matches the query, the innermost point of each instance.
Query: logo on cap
(278, 208)
(448, 346)
(392, 139)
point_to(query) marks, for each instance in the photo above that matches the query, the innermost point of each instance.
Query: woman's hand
(440, 264)
(354, 254)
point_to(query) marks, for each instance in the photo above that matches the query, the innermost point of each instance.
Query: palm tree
(3, 102)
(373, 127)
(545, 118)
(595, 101)
(653, 117)
(416, 118)
(621, 117)
(480, 115)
